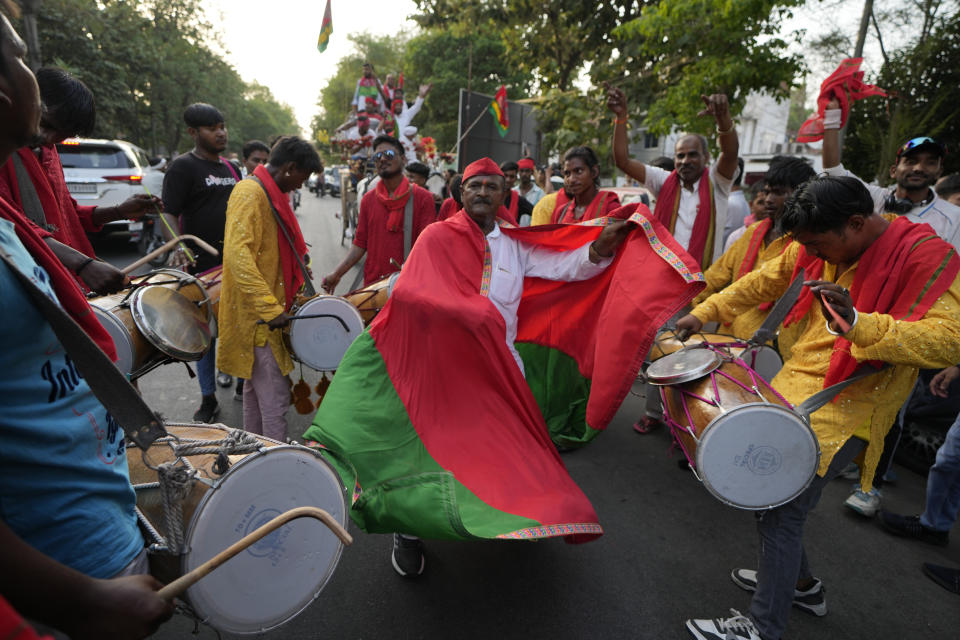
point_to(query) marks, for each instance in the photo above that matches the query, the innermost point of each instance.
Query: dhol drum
(371, 299)
(761, 358)
(320, 342)
(275, 579)
(162, 316)
(212, 280)
(746, 443)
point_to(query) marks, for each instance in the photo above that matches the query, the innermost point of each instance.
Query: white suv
(103, 173)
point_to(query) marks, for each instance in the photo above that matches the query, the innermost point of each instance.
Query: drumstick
(184, 582)
(166, 247)
(844, 325)
(190, 256)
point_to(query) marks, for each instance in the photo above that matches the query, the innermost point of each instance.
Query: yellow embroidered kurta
(868, 407)
(724, 272)
(252, 287)
(543, 210)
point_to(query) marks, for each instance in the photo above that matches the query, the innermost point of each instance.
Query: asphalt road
(666, 554)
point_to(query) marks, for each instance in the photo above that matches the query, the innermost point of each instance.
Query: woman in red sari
(580, 199)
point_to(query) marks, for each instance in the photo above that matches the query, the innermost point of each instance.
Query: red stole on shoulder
(601, 205)
(901, 274)
(753, 251)
(704, 233)
(289, 265)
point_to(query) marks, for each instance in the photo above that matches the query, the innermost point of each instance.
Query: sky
(275, 41)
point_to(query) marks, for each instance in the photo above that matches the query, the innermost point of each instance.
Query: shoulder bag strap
(29, 200)
(111, 387)
(408, 226)
(307, 282)
(822, 397)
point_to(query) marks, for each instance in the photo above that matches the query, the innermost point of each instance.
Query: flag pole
(469, 129)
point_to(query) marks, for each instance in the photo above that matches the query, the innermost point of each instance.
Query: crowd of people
(481, 274)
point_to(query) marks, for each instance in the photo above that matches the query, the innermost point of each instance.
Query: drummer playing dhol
(261, 277)
(380, 228)
(877, 291)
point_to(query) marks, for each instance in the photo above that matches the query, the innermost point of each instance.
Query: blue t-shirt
(64, 483)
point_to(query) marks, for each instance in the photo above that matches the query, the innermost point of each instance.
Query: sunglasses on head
(389, 154)
(919, 142)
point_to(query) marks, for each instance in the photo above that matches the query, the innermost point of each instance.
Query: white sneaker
(738, 627)
(850, 472)
(813, 600)
(866, 504)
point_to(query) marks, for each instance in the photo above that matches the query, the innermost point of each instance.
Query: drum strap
(407, 227)
(822, 397)
(111, 387)
(29, 200)
(308, 289)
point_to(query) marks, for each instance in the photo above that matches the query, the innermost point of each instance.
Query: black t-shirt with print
(197, 191)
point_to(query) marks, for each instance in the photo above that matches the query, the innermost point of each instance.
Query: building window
(650, 141)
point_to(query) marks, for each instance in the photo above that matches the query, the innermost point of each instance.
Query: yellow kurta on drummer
(252, 287)
(866, 408)
(724, 272)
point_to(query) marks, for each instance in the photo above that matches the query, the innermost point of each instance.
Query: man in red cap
(391, 218)
(528, 188)
(518, 209)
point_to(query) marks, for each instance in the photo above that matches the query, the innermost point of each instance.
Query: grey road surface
(666, 554)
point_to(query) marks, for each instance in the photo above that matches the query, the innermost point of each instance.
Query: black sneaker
(224, 379)
(946, 577)
(209, 409)
(407, 557)
(910, 527)
(812, 600)
(238, 394)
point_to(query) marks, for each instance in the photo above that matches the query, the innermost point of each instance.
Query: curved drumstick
(843, 324)
(184, 582)
(166, 247)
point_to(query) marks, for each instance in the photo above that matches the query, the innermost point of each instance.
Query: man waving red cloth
(452, 443)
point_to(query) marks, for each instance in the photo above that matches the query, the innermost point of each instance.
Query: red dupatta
(601, 205)
(704, 233)
(289, 261)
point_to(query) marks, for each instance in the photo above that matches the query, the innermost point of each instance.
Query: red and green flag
(499, 110)
(430, 422)
(326, 29)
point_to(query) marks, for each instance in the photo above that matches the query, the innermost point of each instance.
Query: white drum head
(757, 456)
(278, 577)
(764, 360)
(320, 343)
(118, 333)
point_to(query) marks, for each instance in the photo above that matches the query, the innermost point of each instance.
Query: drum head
(683, 366)
(278, 577)
(764, 360)
(320, 343)
(172, 323)
(757, 456)
(118, 333)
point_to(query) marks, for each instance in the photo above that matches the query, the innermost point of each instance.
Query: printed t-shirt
(197, 190)
(64, 484)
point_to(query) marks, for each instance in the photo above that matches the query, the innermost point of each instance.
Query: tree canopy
(145, 61)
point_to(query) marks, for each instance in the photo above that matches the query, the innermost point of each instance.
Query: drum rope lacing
(176, 477)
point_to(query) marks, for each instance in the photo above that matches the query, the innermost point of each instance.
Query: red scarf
(601, 205)
(68, 293)
(901, 274)
(847, 86)
(514, 207)
(704, 233)
(753, 251)
(289, 265)
(395, 202)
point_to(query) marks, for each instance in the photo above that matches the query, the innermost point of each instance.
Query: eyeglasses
(909, 145)
(389, 154)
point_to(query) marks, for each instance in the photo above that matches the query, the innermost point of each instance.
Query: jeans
(266, 397)
(782, 558)
(207, 371)
(943, 484)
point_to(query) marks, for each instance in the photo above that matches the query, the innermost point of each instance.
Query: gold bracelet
(720, 133)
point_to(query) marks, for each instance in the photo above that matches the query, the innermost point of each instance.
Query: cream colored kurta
(866, 408)
(252, 287)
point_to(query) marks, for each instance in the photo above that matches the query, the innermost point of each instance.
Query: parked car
(331, 179)
(104, 173)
